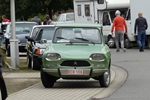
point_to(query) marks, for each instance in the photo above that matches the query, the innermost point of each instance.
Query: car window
(69, 34)
(70, 17)
(23, 27)
(35, 31)
(45, 33)
(61, 18)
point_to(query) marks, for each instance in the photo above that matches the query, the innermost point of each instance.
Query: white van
(65, 18)
(103, 12)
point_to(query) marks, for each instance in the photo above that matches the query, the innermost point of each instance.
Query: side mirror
(26, 37)
(29, 38)
(43, 41)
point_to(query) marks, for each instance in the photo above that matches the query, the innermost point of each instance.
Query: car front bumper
(63, 73)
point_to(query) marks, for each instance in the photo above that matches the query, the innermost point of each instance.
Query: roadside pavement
(68, 89)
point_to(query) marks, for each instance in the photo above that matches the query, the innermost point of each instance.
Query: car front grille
(78, 63)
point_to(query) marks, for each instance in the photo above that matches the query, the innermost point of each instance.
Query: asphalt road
(137, 65)
(136, 86)
(67, 89)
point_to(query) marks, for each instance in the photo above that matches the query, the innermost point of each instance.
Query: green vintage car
(77, 51)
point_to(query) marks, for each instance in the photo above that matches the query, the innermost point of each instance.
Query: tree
(5, 8)
(53, 6)
(28, 8)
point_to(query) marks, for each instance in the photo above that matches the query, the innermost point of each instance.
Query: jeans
(141, 38)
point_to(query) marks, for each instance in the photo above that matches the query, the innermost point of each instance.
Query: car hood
(21, 37)
(76, 51)
(45, 45)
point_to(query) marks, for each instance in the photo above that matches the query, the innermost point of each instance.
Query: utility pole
(13, 41)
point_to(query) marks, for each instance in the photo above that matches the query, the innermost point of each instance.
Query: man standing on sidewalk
(2, 83)
(141, 25)
(119, 24)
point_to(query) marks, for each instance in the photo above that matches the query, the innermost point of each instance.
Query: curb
(120, 78)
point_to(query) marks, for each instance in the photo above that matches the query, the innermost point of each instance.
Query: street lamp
(13, 41)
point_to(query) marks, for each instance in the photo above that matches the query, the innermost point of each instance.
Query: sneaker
(141, 49)
(124, 50)
(117, 50)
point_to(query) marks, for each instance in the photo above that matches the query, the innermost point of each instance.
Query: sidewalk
(68, 89)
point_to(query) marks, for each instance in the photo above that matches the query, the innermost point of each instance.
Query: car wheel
(35, 64)
(29, 61)
(27, 57)
(104, 79)
(111, 42)
(47, 80)
(8, 51)
(127, 43)
(148, 42)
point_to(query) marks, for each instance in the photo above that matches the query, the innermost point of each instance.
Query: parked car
(39, 38)
(77, 51)
(65, 18)
(22, 29)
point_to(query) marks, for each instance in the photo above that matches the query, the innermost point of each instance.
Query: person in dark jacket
(141, 27)
(2, 82)
(36, 19)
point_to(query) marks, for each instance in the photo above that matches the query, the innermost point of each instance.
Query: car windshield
(70, 17)
(23, 27)
(45, 33)
(77, 35)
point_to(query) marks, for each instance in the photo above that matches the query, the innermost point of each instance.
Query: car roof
(67, 13)
(24, 22)
(37, 26)
(74, 24)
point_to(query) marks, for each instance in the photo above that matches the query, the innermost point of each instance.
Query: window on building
(100, 1)
(79, 10)
(106, 20)
(87, 10)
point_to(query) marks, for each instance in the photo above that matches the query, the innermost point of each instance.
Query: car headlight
(97, 57)
(18, 39)
(52, 57)
(39, 51)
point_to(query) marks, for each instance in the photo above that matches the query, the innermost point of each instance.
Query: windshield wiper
(85, 40)
(64, 39)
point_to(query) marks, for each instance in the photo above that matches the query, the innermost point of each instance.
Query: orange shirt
(119, 24)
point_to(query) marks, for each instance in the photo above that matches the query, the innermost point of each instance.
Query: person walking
(4, 24)
(120, 26)
(141, 27)
(2, 82)
(36, 19)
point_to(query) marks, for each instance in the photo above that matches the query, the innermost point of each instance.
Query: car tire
(104, 79)
(47, 80)
(8, 51)
(35, 63)
(27, 57)
(127, 43)
(111, 42)
(29, 61)
(148, 42)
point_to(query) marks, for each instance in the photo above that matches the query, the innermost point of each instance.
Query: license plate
(75, 72)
